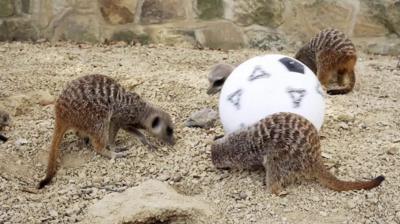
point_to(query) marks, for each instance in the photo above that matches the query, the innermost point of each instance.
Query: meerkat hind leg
(100, 145)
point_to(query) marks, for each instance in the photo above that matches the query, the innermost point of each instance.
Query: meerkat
(4, 122)
(97, 106)
(217, 76)
(287, 146)
(331, 56)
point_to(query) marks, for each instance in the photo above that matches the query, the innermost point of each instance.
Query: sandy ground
(361, 139)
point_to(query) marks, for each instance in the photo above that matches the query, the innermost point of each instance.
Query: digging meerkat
(97, 106)
(287, 146)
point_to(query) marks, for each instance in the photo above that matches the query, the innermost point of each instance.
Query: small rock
(53, 213)
(351, 204)
(177, 178)
(343, 125)
(21, 141)
(164, 177)
(393, 150)
(243, 195)
(345, 118)
(151, 200)
(204, 118)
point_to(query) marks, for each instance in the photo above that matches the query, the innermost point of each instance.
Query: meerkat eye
(219, 82)
(155, 122)
(5, 119)
(170, 131)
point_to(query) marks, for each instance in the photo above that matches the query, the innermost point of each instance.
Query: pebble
(393, 150)
(243, 195)
(21, 141)
(343, 125)
(53, 213)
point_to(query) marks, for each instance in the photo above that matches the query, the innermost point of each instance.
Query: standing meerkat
(287, 146)
(97, 106)
(217, 76)
(330, 54)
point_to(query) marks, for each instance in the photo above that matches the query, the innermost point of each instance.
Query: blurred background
(374, 25)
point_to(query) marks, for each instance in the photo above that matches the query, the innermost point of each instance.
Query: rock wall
(226, 24)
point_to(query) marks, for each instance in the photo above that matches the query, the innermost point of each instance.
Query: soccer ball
(264, 85)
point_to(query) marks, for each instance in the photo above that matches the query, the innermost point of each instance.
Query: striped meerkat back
(331, 39)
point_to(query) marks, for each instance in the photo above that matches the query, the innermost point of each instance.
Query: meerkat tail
(3, 138)
(53, 154)
(329, 180)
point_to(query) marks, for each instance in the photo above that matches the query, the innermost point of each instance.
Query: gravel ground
(360, 139)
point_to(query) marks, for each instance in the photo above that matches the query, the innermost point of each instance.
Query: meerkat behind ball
(217, 76)
(332, 56)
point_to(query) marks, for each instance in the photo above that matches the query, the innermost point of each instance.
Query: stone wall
(226, 24)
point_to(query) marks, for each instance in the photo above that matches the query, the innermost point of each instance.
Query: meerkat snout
(217, 76)
(160, 125)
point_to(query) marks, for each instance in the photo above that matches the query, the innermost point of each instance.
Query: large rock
(265, 38)
(386, 12)
(172, 34)
(6, 8)
(18, 30)
(118, 12)
(79, 28)
(262, 12)
(151, 202)
(384, 46)
(220, 35)
(158, 11)
(210, 9)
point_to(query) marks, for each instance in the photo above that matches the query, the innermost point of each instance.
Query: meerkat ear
(156, 122)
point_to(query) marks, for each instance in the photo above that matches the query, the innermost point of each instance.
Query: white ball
(269, 84)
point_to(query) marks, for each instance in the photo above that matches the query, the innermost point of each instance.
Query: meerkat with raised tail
(331, 56)
(217, 76)
(287, 146)
(4, 122)
(97, 106)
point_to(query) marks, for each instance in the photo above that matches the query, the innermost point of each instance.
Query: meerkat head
(4, 119)
(217, 76)
(159, 123)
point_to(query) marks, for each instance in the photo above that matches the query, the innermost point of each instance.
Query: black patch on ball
(234, 98)
(257, 73)
(297, 96)
(292, 65)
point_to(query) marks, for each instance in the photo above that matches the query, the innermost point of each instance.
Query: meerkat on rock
(287, 146)
(97, 106)
(331, 56)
